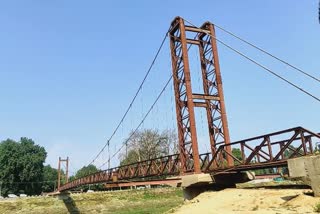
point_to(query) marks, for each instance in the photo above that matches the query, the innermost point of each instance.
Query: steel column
(212, 98)
(59, 171)
(184, 102)
(212, 84)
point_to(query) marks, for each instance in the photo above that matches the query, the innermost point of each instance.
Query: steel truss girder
(258, 152)
(156, 168)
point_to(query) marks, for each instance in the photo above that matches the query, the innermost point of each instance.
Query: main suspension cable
(133, 100)
(155, 102)
(260, 65)
(142, 121)
(268, 53)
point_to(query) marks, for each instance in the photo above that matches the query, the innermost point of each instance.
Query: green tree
(50, 179)
(237, 153)
(21, 166)
(86, 170)
(317, 148)
(148, 144)
(72, 178)
(289, 152)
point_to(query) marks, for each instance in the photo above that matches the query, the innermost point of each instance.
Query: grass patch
(255, 208)
(150, 201)
(317, 208)
(119, 202)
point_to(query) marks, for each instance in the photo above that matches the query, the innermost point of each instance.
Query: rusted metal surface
(171, 182)
(66, 177)
(212, 85)
(267, 176)
(188, 145)
(157, 168)
(271, 150)
(212, 98)
(59, 173)
(265, 151)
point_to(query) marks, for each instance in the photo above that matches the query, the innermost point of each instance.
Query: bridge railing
(262, 151)
(270, 150)
(157, 167)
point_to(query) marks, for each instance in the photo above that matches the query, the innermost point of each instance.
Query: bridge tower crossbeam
(212, 98)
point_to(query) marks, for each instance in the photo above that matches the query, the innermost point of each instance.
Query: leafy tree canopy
(237, 153)
(86, 170)
(50, 176)
(21, 166)
(148, 144)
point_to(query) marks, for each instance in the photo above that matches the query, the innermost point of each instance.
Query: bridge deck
(265, 151)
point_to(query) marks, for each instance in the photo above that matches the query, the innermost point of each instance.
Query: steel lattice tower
(212, 98)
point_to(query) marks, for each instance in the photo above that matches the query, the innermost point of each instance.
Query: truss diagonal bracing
(212, 98)
(265, 151)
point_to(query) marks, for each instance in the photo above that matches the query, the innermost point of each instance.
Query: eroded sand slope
(251, 201)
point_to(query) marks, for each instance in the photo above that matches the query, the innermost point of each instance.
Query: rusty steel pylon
(212, 98)
(59, 171)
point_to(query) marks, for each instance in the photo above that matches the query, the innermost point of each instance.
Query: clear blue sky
(68, 69)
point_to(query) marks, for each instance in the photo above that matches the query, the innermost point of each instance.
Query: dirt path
(251, 201)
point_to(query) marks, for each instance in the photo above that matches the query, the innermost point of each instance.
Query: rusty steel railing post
(269, 147)
(310, 144)
(303, 141)
(169, 165)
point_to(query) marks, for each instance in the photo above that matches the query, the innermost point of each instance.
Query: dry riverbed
(243, 201)
(168, 200)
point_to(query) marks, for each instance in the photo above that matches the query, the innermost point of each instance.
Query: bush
(317, 208)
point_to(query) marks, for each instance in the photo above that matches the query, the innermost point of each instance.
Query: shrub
(317, 208)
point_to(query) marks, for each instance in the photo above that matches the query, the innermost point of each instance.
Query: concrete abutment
(195, 184)
(306, 169)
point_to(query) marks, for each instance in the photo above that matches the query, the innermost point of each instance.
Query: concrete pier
(195, 184)
(306, 169)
